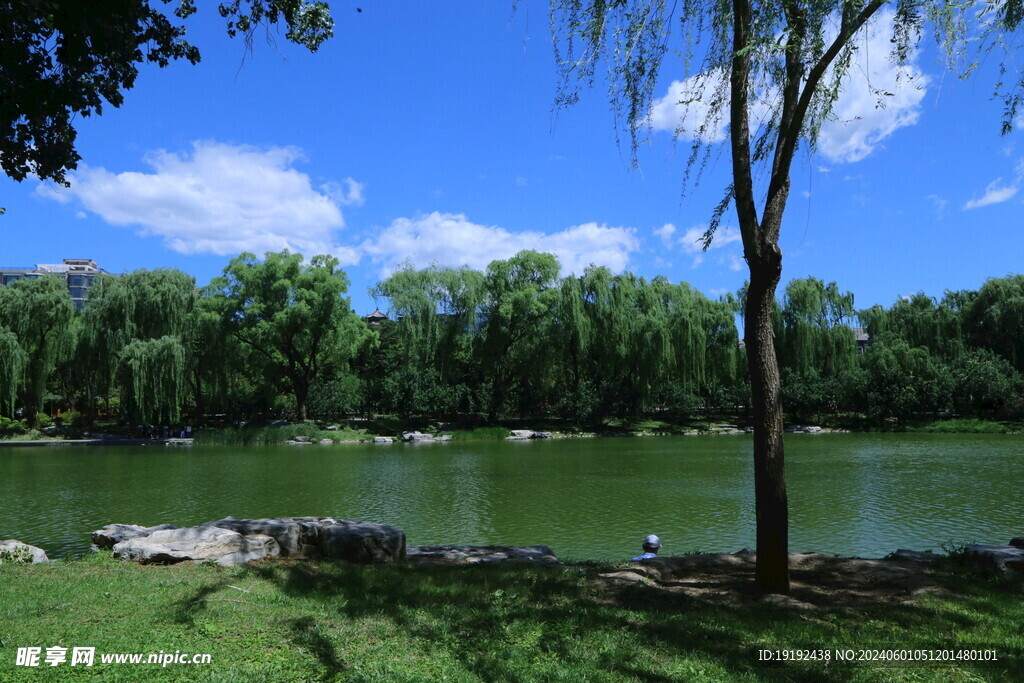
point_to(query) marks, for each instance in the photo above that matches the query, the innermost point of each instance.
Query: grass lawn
(300, 620)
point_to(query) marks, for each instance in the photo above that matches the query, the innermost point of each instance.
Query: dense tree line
(277, 337)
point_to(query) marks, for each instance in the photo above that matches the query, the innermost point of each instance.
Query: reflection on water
(852, 494)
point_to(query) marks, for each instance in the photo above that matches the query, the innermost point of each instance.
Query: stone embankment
(232, 541)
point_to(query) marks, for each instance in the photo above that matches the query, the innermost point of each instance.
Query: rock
(16, 552)
(472, 554)
(232, 541)
(541, 435)
(112, 534)
(914, 555)
(225, 547)
(331, 428)
(786, 602)
(293, 534)
(1001, 559)
(301, 439)
(517, 438)
(362, 542)
(416, 436)
(326, 442)
(626, 576)
(522, 433)
(1017, 542)
(812, 430)
(198, 544)
(382, 439)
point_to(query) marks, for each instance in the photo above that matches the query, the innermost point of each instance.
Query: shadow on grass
(308, 634)
(515, 622)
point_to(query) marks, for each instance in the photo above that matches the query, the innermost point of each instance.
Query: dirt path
(818, 581)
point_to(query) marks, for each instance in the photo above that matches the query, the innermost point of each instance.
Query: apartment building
(78, 273)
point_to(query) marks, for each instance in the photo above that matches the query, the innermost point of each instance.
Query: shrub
(10, 428)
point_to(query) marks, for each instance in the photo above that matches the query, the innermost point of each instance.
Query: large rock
(1001, 559)
(112, 534)
(16, 552)
(232, 541)
(294, 535)
(472, 554)
(223, 546)
(362, 542)
(1017, 542)
(417, 436)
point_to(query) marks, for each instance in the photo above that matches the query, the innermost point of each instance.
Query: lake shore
(289, 620)
(363, 431)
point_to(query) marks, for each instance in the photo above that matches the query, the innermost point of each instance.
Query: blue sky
(425, 131)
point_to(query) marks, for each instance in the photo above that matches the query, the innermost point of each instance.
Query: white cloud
(665, 233)
(727, 243)
(520, 181)
(994, 194)
(862, 116)
(687, 108)
(453, 240)
(350, 195)
(220, 199)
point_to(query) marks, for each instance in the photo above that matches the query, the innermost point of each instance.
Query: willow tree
(152, 377)
(39, 312)
(520, 293)
(142, 305)
(435, 309)
(772, 71)
(12, 370)
(815, 334)
(995, 318)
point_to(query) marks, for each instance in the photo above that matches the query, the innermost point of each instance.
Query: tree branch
(790, 135)
(739, 128)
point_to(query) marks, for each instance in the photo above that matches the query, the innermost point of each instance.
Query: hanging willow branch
(153, 376)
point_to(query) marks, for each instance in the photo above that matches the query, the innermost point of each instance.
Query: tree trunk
(301, 387)
(772, 571)
(199, 417)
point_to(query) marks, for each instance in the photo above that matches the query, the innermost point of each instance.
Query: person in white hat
(652, 544)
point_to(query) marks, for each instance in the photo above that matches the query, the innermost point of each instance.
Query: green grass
(962, 426)
(270, 435)
(305, 621)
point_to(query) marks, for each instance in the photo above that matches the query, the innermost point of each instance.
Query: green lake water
(850, 494)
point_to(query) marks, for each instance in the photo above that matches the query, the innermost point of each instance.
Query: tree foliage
(39, 312)
(293, 317)
(62, 59)
(12, 370)
(152, 374)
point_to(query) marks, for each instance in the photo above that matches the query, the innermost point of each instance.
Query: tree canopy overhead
(60, 59)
